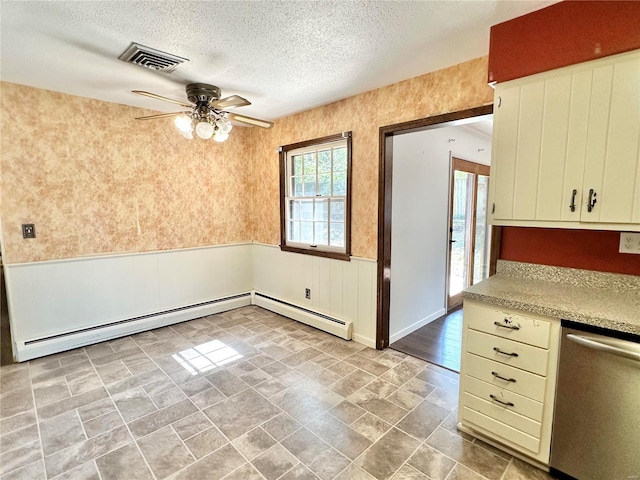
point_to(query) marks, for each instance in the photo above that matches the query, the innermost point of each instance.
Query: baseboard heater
(334, 326)
(60, 342)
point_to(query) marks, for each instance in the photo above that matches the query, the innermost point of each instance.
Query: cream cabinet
(566, 147)
(508, 377)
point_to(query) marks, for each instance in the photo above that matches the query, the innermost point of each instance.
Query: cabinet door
(517, 136)
(525, 193)
(612, 162)
(564, 138)
(540, 131)
(576, 145)
(504, 149)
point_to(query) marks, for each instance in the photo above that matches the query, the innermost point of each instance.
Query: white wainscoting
(63, 304)
(55, 298)
(339, 289)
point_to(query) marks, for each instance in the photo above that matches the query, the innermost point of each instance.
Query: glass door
(468, 230)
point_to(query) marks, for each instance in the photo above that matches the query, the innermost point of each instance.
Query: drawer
(512, 325)
(527, 384)
(510, 435)
(518, 403)
(502, 414)
(526, 357)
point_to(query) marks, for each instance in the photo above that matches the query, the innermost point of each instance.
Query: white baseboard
(366, 341)
(339, 328)
(416, 325)
(29, 349)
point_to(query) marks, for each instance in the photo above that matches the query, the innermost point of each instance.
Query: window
(315, 196)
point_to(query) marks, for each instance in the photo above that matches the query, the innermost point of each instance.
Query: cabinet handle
(573, 200)
(592, 200)
(497, 375)
(496, 399)
(510, 327)
(512, 354)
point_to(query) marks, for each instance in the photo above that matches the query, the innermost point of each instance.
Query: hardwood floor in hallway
(438, 342)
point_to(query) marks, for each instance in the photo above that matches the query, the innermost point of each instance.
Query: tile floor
(245, 394)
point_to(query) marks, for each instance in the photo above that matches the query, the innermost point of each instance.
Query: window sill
(317, 253)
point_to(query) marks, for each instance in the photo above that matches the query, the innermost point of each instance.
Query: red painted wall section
(585, 249)
(562, 34)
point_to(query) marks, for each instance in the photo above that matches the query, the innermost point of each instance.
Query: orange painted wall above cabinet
(562, 34)
(585, 249)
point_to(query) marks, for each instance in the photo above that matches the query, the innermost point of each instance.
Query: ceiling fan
(207, 113)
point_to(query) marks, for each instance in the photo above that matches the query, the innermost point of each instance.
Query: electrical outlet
(629, 242)
(307, 293)
(28, 230)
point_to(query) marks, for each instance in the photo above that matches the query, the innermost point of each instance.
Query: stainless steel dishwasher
(596, 425)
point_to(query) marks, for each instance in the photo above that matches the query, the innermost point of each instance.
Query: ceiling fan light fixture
(207, 114)
(204, 130)
(224, 125)
(184, 124)
(220, 136)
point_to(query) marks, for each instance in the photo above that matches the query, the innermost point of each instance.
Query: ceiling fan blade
(250, 120)
(161, 115)
(160, 97)
(232, 101)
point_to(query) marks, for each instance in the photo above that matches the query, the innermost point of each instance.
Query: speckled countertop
(599, 299)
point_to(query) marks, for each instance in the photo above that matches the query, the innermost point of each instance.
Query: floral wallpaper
(456, 88)
(94, 181)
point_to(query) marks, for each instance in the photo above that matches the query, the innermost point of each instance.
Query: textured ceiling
(283, 56)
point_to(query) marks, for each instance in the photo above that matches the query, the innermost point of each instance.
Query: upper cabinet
(566, 147)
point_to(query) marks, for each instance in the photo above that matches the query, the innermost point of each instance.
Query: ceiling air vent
(151, 58)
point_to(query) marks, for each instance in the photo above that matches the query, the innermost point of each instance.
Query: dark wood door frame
(384, 203)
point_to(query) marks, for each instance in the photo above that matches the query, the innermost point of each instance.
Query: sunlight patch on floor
(206, 356)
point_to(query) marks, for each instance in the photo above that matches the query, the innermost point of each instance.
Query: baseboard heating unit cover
(69, 340)
(334, 326)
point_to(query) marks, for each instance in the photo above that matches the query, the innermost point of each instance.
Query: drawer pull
(503, 325)
(512, 354)
(496, 399)
(497, 375)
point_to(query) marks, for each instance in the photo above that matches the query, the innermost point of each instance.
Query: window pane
(294, 231)
(306, 232)
(321, 213)
(324, 161)
(296, 186)
(306, 210)
(297, 165)
(321, 233)
(294, 209)
(483, 237)
(460, 230)
(324, 184)
(309, 163)
(309, 185)
(337, 211)
(340, 159)
(337, 234)
(340, 183)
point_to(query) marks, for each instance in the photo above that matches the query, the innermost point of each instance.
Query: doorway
(469, 233)
(384, 203)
